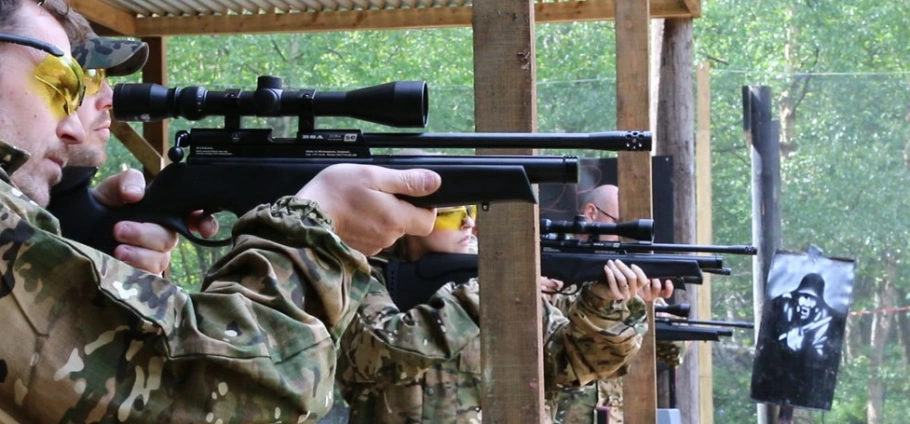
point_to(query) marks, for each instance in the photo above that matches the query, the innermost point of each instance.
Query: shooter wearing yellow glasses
(453, 232)
(423, 364)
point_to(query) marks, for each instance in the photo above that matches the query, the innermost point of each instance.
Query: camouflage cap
(118, 57)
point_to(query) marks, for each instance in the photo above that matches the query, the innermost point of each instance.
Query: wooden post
(676, 138)
(705, 235)
(155, 71)
(634, 176)
(510, 309)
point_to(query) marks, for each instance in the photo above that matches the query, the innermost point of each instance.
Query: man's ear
(590, 212)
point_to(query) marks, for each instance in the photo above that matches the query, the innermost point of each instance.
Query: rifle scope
(678, 309)
(395, 104)
(640, 229)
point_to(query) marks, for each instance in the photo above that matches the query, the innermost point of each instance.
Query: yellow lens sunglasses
(59, 77)
(94, 78)
(453, 218)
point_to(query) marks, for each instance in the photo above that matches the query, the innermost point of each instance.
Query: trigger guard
(207, 242)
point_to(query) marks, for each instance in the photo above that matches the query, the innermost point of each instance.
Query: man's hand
(145, 246)
(549, 286)
(623, 282)
(654, 290)
(361, 200)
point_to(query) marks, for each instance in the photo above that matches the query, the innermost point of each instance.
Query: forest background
(840, 76)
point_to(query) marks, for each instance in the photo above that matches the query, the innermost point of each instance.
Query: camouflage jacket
(578, 404)
(423, 365)
(87, 338)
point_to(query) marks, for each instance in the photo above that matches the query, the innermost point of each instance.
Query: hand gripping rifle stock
(235, 169)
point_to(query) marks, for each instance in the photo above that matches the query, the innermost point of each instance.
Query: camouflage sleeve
(563, 301)
(385, 345)
(99, 341)
(594, 340)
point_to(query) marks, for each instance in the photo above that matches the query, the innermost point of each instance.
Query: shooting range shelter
(504, 50)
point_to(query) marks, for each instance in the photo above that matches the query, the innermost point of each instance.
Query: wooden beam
(110, 17)
(505, 79)
(150, 158)
(634, 176)
(694, 7)
(436, 17)
(704, 235)
(155, 72)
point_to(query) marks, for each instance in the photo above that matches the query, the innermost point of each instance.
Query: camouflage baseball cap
(117, 57)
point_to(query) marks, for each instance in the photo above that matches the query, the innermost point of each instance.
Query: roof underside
(151, 18)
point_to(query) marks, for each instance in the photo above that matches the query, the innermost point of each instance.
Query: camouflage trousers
(578, 405)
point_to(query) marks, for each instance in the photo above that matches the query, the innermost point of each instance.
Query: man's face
(605, 211)
(95, 115)
(27, 119)
(805, 306)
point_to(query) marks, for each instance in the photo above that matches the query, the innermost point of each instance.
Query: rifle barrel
(667, 247)
(737, 324)
(606, 140)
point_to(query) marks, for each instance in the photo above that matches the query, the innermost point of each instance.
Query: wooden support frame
(704, 234)
(155, 71)
(634, 177)
(505, 97)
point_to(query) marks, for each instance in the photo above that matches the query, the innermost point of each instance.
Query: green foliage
(841, 168)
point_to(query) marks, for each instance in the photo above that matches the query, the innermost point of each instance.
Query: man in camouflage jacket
(87, 338)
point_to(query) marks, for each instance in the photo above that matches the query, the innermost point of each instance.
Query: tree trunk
(903, 331)
(881, 326)
(676, 133)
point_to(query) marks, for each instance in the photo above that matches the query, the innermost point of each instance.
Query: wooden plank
(111, 17)
(676, 138)
(150, 158)
(704, 234)
(436, 17)
(155, 71)
(693, 7)
(634, 177)
(510, 307)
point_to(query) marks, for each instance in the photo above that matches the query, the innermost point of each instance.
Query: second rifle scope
(395, 104)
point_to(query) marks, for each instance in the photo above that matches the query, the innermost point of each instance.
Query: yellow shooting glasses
(59, 78)
(453, 218)
(94, 79)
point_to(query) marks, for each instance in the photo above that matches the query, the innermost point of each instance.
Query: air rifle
(673, 329)
(573, 262)
(235, 169)
(576, 260)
